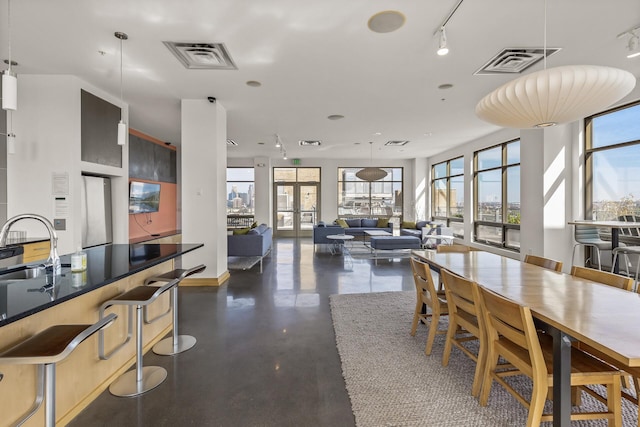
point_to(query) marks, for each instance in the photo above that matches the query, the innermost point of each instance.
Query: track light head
(443, 49)
(633, 46)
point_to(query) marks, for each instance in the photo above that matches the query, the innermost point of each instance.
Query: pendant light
(122, 126)
(9, 80)
(555, 95)
(370, 173)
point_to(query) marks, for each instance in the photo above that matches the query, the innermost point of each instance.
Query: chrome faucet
(53, 262)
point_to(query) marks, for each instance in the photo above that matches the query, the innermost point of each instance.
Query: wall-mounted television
(144, 197)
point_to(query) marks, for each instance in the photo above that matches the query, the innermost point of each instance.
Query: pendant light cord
(545, 35)
(9, 28)
(121, 102)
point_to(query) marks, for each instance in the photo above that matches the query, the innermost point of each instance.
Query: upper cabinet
(99, 131)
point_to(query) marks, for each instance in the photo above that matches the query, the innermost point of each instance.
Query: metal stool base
(166, 347)
(127, 386)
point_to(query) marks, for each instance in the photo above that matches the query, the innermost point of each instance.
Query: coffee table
(377, 233)
(338, 243)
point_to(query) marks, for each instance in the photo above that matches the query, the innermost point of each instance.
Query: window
(380, 199)
(447, 190)
(497, 195)
(240, 197)
(612, 159)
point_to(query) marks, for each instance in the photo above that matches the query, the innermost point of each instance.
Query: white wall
(47, 128)
(204, 151)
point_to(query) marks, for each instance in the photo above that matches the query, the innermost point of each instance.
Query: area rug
(242, 262)
(391, 382)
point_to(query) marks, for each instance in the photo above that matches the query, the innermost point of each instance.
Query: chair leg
(477, 376)
(451, 333)
(433, 328)
(489, 367)
(416, 317)
(536, 405)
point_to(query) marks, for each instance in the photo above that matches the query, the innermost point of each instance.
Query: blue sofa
(256, 243)
(357, 227)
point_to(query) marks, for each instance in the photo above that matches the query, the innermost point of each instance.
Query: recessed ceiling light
(445, 86)
(254, 83)
(356, 143)
(260, 143)
(378, 133)
(335, 117)
(428, 134)
(231, 142)
(386, 21)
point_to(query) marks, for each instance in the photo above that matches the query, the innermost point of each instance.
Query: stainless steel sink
(23, 273)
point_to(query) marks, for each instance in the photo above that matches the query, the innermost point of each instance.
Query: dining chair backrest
(611, 279)
(511, 333)
(424, 282)
(453, 248)
(547, 263)
(465, 314)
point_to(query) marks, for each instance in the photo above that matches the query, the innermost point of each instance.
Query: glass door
(296, 208)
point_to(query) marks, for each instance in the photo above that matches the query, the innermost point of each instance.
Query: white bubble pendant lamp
(555, 95)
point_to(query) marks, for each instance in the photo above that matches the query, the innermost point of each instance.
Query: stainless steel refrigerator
(96, 211)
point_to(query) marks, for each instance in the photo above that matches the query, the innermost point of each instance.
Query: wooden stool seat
(45, 349)
(176, 343)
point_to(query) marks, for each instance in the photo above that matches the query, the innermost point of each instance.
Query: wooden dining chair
(547, 263)
(435, 302)
(453, 248)
(465, 323)
(511, 334)
(600, 276)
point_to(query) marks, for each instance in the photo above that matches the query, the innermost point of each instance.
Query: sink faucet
(53, 262)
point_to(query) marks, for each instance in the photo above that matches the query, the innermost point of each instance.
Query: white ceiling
(313, 59)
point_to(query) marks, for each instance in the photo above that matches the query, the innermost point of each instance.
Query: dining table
(614, 226)
(568, 307)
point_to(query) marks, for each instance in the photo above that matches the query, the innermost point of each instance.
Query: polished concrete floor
(266, 353)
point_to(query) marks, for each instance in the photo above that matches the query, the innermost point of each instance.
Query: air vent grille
(514, 60)
(202, 55)
(396, 143)
(231, 142)
(309, 142)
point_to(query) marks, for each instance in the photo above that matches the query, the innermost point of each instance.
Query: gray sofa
(357, 227)
(256, 243)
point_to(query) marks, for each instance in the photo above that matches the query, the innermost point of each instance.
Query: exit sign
(295, 161)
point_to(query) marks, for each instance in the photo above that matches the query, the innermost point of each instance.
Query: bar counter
(31, 305)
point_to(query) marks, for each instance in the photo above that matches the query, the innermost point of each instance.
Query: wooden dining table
(570, 308)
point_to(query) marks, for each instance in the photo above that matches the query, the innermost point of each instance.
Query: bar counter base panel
(166, 347)
(128, 386)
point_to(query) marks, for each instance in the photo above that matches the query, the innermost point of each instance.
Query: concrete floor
(266, 353)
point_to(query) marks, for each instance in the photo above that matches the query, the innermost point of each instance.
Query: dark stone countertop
(155, 236)
(105, 264)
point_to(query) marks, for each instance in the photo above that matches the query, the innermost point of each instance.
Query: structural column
(203, 173)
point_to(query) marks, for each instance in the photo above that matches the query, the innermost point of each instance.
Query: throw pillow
(255, 224)
(342, 223)
(383, 223)
(240, 231)
(408, 224)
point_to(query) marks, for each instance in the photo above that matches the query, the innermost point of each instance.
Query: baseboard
(206, 281)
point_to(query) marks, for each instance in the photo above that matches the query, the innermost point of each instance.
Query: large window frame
(240, 202)
(507, 225)
(443, 196)
(626, 206)
(378, 199)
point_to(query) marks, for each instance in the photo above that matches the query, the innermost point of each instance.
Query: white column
(263, 190)
(204, 165)
(531, 192)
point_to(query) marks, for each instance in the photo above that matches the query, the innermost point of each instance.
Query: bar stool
(142, 378)
(177, 343)
(45, 349)
(626, 251)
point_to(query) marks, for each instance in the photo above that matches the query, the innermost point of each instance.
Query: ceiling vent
(231, 142)
(202, 56)
(306, 143)
(515, 60)
(396, 143)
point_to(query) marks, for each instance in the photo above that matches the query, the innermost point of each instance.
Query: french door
(296, 207)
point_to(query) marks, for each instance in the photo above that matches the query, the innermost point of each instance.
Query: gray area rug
(242, 262)
(391, 382)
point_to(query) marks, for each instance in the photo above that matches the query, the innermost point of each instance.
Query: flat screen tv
(144, 197)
